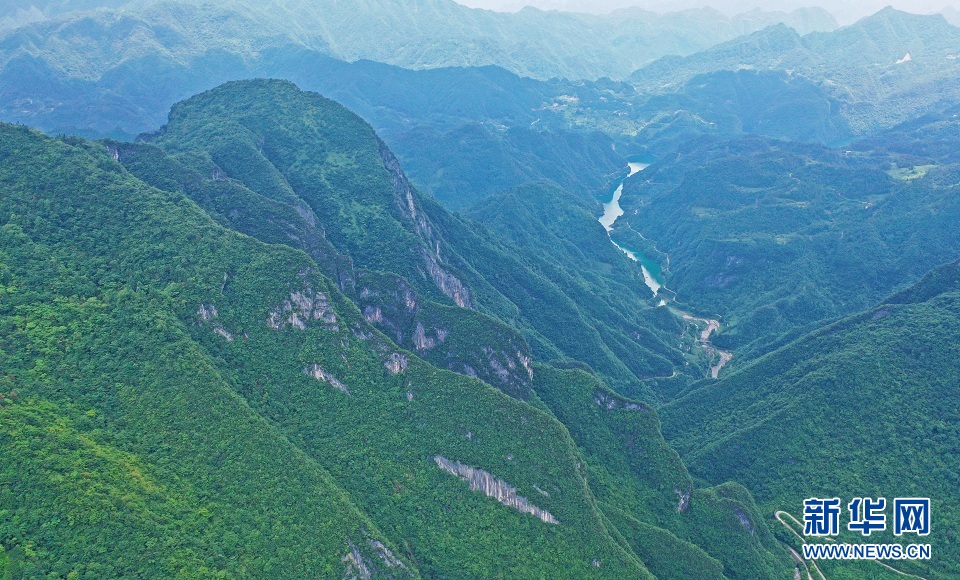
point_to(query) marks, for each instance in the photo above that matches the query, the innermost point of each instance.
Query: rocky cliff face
(460, 340)
(325, 376)
(448, 283)
(303, 307)
(498, 489)
(610, 402)
(376, 561)
(284, 184)
(207, 314)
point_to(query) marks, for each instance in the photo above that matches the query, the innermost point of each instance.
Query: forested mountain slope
(729, 103)
(678, 529)
(245, 344)
(126, 450)
(449, 126)
(775, 236)
(333, 177)
(174, 384)
(865, 407)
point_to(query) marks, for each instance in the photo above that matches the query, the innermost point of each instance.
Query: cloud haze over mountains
(846, 11)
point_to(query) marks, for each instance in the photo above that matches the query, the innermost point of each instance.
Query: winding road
(799, 559)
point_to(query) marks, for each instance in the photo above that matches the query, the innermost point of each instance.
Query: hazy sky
(845, 11)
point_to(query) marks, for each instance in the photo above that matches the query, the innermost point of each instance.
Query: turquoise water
(611, 211)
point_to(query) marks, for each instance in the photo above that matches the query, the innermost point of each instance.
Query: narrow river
(612, 211)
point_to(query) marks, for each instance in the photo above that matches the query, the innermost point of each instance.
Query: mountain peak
(890, 14)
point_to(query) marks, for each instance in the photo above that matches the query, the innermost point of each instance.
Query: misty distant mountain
(887, 68)
(845, 11)
(116, 73)
(434, 119)
(416, 33)
(16, 13)
(728, 103)
(952, 15)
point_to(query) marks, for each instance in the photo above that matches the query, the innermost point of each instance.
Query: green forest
(410, 289)
(162, 389)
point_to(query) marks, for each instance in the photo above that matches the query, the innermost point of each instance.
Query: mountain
(117, 72)
(130, 70)
(775, 236)
(307, 174)
(433, 33)
(696, 532)
(133, 453)
(468, 164)
(564, 240)
(434, 120)
(931, 141)
(952, 15)
(884, 69)
(17, 13)
(173, 385)
(864, 407)
(445, 124)
(463, 133)
(728, 104)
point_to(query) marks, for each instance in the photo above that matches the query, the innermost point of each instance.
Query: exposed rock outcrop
(527, 363)
(401, 187)
(506, 366)
(745, 521)
(373, 314)
(302, 308)
(498, 489)
(396, 363)
(421, 341)
(207, 313)
(361, 333)
(223, 332)
(114, 152)
(356, 567)
(410, 300)
(384, 553)
(466, 343)
(449, 284)
(610, 402)
(322, 375)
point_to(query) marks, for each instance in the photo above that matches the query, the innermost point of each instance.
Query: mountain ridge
(782, 431)
(449, 34)
(865, 65)
(150, 288)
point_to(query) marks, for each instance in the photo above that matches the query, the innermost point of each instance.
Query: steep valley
(529, 295)
(192, 346)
